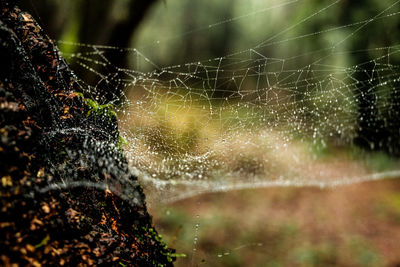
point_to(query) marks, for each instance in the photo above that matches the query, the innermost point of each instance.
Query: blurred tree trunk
(100, 27)
(99, 22)
(373, 132)
(103, 22)
(218, 43)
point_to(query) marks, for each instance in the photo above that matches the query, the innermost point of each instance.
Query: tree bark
(67, 195)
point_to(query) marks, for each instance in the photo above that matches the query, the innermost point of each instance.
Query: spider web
(252, 118)
(291, 108)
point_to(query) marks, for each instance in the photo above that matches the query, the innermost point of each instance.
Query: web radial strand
(270, 115)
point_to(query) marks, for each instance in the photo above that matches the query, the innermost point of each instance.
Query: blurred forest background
(357, 225)
(175, 32)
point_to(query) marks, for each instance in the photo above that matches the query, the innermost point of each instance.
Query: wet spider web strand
(203, 122)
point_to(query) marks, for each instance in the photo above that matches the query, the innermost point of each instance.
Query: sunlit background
(265, 133)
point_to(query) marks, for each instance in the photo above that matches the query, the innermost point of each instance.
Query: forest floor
(354, 225)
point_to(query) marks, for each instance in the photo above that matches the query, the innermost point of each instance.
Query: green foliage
(166, 251)
(121, 142)
(316, 255)
(375, 161)
(105, 109)
(363, 253)
(44, 241)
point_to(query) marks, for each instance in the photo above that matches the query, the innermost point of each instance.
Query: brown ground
(355, 225)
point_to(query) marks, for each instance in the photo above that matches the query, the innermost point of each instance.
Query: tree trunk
(67, 195)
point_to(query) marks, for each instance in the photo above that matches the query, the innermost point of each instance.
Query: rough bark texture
(64, 184)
